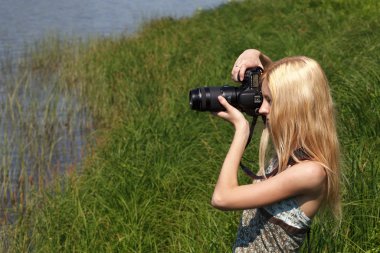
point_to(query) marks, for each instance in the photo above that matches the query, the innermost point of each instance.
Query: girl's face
(267, 100)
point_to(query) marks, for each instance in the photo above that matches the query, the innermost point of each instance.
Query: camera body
(247, 98)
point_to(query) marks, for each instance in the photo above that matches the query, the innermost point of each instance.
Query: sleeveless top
(280, 227)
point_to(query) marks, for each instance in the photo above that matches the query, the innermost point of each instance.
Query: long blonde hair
(302, 116)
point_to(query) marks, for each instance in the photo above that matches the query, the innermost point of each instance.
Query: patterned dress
(280, 227)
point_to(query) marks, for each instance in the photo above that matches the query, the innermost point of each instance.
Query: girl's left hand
(232, 115)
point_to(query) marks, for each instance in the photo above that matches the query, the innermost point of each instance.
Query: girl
(302, 176)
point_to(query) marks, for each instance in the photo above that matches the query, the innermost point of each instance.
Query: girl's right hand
(231, 114)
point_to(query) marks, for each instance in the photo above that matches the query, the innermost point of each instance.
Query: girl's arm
(300, 179)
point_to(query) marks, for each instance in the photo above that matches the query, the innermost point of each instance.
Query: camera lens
(200, 99)
(206, 98)
(195, 97)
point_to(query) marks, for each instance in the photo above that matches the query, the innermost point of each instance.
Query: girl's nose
(264, 108)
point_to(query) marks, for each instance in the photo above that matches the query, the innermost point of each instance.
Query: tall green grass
(43, 127)
(148, 185)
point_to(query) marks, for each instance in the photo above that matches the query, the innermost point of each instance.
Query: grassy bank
(147, 187)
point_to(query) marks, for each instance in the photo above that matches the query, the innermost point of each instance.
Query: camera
(247, 98)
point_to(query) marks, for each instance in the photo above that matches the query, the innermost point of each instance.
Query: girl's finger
(241, 73)
(224, 103)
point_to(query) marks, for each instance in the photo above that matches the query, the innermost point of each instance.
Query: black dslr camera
(246, 98)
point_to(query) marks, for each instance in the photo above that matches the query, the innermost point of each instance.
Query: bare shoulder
(310, 174)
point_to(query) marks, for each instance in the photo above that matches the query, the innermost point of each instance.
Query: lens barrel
(206, 98)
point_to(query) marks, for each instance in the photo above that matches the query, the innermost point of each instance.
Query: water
(24, 21)
(44, 131)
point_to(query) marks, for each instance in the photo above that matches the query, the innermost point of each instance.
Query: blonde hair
(301, 116)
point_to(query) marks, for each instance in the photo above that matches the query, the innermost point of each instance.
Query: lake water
(24, 21)
(43, 133)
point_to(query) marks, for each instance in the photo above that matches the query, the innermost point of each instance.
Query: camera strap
(300, 153)
(242, 166)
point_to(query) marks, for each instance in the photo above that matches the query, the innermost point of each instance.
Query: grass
(147, 186)
(42, 128)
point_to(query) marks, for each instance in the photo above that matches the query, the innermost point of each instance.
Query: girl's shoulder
(311, 174)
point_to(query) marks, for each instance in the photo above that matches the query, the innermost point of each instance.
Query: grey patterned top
(280, 227)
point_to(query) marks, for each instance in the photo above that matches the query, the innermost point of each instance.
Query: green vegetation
(147, 186)
(42, 129)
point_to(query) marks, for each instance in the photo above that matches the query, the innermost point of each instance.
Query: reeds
(43, 128)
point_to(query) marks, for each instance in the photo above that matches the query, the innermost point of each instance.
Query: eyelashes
(268, 99)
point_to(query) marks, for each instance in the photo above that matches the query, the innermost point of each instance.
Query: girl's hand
(232, 115)
(248, 59)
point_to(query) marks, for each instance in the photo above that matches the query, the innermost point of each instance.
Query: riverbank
(147, 186)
